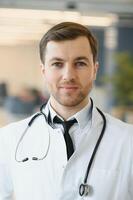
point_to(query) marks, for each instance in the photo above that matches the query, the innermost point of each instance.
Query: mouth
(69, 88)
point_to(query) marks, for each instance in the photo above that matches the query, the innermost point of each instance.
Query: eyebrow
(56, 58)
(82, 58)
(78, 58)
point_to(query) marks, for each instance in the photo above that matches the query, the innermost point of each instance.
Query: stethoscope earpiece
(35, 158)
(25, 159)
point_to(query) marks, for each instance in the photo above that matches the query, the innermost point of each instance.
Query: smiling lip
(69, 87)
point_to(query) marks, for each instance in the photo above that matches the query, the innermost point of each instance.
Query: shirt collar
(82, 117)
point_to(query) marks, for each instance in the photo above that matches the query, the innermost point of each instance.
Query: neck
(67, 111)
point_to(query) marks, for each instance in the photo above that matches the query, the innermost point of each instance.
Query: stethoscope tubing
(84, 187)
(96, 146)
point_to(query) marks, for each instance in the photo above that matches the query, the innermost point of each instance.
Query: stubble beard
(68, 100)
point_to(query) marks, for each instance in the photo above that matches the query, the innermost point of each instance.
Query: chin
(70, 102)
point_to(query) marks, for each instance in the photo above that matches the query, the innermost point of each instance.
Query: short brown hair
(67, 31)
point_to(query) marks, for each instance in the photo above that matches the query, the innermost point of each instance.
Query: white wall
(19, 66)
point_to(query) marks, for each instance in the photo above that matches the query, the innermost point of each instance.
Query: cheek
(86, 78)
(50, 78)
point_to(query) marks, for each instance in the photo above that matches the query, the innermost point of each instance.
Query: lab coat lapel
(89, 141)
(91, 135)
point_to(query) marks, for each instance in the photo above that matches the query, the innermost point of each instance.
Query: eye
(80, 64)
(57, 64)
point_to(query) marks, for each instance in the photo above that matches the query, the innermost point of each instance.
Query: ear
(96, 66)
(42, 68)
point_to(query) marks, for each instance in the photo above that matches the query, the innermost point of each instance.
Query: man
(71, 150)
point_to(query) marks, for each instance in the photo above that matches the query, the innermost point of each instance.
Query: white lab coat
(110, 178)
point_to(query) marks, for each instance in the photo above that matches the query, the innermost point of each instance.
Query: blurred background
(22, 24)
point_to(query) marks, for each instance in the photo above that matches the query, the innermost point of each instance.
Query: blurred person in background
(25, 103)
(39, 97)
(3, 92)
(70, 150)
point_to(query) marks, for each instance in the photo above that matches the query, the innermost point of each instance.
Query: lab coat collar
(82, 117)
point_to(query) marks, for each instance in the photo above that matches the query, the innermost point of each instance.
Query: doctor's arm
(5, 178)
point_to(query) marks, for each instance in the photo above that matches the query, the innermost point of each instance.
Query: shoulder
(117, 122)
(118, 127)
(14, 129)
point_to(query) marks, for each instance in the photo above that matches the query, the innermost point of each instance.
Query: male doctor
(71, 150)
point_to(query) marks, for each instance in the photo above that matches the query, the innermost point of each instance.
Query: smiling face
(69, 72)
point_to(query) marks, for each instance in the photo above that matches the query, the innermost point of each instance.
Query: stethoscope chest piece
(84, 189)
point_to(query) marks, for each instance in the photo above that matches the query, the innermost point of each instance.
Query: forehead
(68, 48)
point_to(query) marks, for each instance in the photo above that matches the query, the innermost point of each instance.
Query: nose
(69, 72)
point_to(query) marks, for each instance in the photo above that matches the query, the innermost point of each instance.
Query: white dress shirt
(79, 129)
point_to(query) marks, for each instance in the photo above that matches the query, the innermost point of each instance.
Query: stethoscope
(84, 188)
